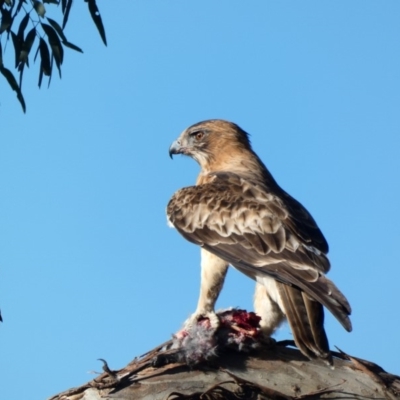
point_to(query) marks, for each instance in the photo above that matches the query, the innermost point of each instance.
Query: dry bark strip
(276, 373)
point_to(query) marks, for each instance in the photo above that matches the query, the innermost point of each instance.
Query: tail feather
(306, 320)
(325, 292)
(317, 285)
(316, 316)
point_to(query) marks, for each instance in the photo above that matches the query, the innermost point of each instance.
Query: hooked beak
(175, 148)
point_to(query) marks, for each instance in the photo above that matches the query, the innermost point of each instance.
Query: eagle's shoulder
(228, 208)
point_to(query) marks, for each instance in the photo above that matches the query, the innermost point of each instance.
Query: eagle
(239, 216)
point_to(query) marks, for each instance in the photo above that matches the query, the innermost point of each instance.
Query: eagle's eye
(199, 135)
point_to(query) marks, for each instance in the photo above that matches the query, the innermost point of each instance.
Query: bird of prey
(240, 216)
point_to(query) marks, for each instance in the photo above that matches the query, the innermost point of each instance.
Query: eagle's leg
(213, 272)
(266, 306)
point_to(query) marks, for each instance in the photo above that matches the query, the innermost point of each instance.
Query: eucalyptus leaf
(45, 58)
(66, 12)
(27, 45)
(14, 85)
(39, 8)
(17, 47)
(6, 20)
(55, 44)
(22, 26)
(19, 6)
(95, 13)
(72, 46)
(57, 28)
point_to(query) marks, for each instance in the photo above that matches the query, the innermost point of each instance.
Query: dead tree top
(233, 364)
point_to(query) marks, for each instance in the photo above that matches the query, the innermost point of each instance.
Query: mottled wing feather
(256, 232)
(308, 280)
(241, 212)
(304, 224)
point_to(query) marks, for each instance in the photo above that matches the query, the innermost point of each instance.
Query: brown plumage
(240, 216)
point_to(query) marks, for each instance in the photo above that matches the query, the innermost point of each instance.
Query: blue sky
(88, 266)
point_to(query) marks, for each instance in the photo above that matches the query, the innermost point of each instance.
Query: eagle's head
(211, 142)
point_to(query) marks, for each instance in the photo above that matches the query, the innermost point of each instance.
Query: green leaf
(45, 65)
(72, 46)
(37, 52)
(17, 47)
(51, 2)
(18, 38)
(26, 46)
(95, 13)
(22, 26)
(40, 77)
(10, 78)
(14, 85)
(63, 5)
(21, 72)
(55, 44)
(19, 6)
(51, 67)
(64, 40)
(66, 13)
(45, 57)
(57, 28)
(21, 100)
(39, 8)
(6, 20)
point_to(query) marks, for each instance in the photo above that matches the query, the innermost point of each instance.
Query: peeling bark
(277, 373)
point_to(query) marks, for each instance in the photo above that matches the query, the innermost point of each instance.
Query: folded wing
(265, 233)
